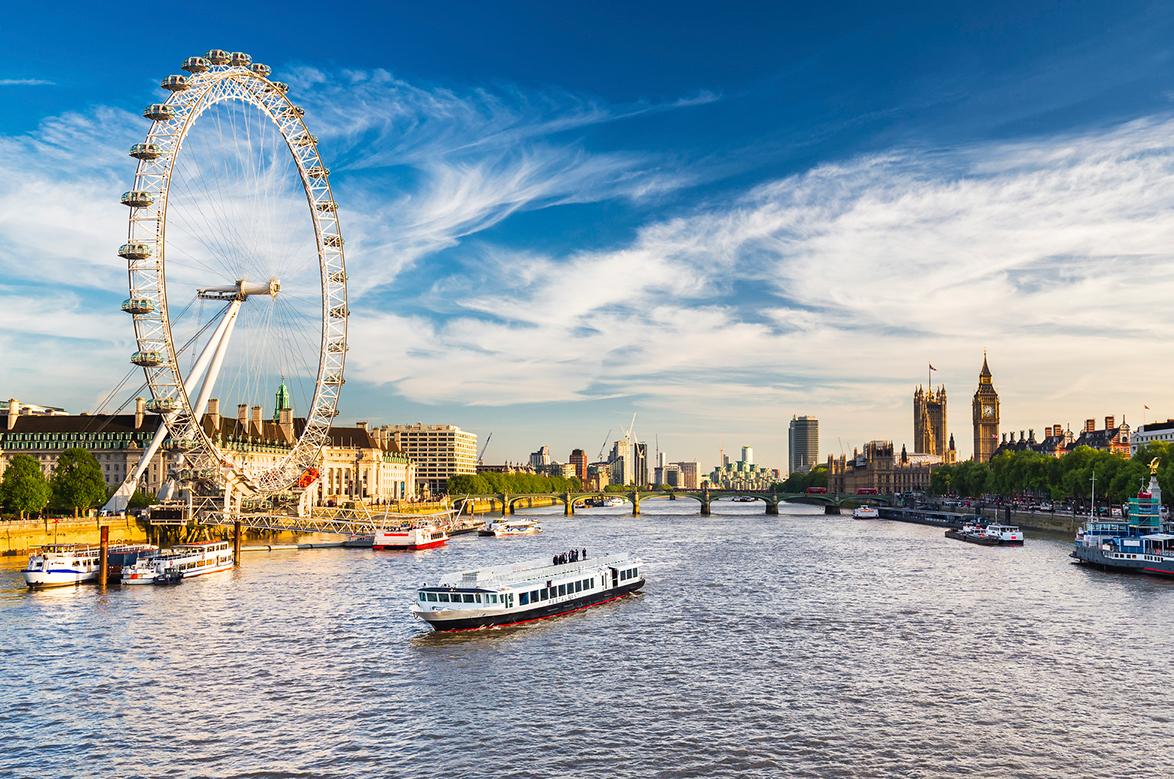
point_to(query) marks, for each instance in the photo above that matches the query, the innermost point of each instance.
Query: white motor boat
(58, 565)
(865, 512)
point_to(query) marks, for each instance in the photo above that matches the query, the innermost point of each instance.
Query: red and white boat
(409, 538)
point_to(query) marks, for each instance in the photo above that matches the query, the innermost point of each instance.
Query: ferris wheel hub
(241, 290)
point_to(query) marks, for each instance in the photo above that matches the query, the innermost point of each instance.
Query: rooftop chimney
(1058, 429)
(1090, 425)
(285, 421)
(13, 412)
(1048, 431)
(362, 425)
(256, 426)
(213, 413)
(1109, 423)
(242, 417)
(140, 410)
(1031, 434)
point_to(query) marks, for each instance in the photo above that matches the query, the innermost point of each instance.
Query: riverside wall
(1038, 520)
(18, 536)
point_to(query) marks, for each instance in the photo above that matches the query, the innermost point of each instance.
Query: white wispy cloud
(1053, 253)
(25, 82)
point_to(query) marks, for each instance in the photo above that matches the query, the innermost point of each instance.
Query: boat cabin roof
(530, 570)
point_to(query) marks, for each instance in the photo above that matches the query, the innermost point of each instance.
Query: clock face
(988, 412)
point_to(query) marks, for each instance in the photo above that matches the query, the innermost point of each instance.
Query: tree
(77, 481)
(24, 488)
(140, 500)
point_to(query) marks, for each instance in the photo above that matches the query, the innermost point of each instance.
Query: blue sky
(716, 216)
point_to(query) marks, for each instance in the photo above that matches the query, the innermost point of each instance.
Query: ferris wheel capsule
(339, 312)
(305, 140)
(195, 65)
(145, 151)
(332, 240)
(279, 86)
(260, 70)
(217, 56)
(137, 199)
(134, 250)
(160, 112)
(317, 172)
(147, 359)
(162, 405)
(175, 83)
(240, 59)
(134, 305)
(327, 207)
(338, 277)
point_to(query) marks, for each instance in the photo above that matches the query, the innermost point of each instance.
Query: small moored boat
(506, 528)
(865, 512)
(409, 538)
(526, 591)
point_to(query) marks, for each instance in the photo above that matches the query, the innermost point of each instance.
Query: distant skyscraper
(640, 464)
(689, 474)
(748, 455)
(579, 460)
(725, 458)
(802, 443)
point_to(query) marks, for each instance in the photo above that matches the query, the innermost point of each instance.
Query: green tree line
(798, 482)
(75, 486)
(1067, 478)
(492, 482)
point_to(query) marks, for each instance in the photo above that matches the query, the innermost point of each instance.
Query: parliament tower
(929, 421)
(986, 416)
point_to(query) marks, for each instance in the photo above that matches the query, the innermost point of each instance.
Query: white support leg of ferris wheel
(121, 497)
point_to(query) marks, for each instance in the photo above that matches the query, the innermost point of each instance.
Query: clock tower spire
(985, 415)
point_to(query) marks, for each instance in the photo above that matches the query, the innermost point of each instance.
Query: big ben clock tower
(986, 416)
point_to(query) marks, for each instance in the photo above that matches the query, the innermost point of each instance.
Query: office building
(802, 444)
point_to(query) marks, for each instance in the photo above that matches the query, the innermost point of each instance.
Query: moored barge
(525, 591)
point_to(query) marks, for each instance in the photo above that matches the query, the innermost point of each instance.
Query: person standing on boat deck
(554, 560)
(584, 553)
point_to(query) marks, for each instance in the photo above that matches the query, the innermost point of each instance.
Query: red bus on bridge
(867, 491)
(817, 490)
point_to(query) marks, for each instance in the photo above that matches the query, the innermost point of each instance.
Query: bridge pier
(705, 507)
(830, 509)
(236, 543)
(506, 507)
(635, 496)
(772, 508)
(568, 505)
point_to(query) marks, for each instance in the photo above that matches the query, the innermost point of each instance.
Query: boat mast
(1093, 505)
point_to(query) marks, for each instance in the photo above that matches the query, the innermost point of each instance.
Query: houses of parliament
(930, 430)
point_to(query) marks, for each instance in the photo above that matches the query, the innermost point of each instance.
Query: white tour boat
(865, 512)
(1006, 534)
(424, 536)
(526, 591)
(57, 565)
(181, 561)
(504, 528)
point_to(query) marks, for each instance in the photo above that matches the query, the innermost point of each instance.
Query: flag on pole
(934, 369)
(1147, 408)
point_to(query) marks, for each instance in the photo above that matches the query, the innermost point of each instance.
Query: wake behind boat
(525, 591)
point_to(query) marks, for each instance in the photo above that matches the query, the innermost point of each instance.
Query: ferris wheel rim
(216, 79)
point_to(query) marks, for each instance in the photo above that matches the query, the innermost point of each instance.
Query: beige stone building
(879, 468)
(438, 451)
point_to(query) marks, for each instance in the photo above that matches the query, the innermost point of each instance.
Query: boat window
(468, 597)
(524, 598)
(579, 586)
(477, 597)
(431, 597)
(493, 597)
(535, 595)
(562, 590)
(421, 597)
(543, 594)
(635, 572)
(443, 597)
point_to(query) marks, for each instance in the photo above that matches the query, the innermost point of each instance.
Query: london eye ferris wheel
(237, 275)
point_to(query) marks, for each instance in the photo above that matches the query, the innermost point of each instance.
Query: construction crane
(603, 448)
(481, 457)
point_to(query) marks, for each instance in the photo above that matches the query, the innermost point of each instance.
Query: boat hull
(1094, 556)
(544, 611)
(969, 538)
(37, 580)
(408, 547)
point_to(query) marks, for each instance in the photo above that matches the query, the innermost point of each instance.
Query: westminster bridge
(504, 502)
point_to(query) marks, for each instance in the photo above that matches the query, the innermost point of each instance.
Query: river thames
(797, 645)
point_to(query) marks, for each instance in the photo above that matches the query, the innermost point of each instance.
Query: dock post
(236, 543)
(104, 552)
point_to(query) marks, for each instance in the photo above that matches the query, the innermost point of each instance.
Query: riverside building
(438, 451)
(879, 468)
